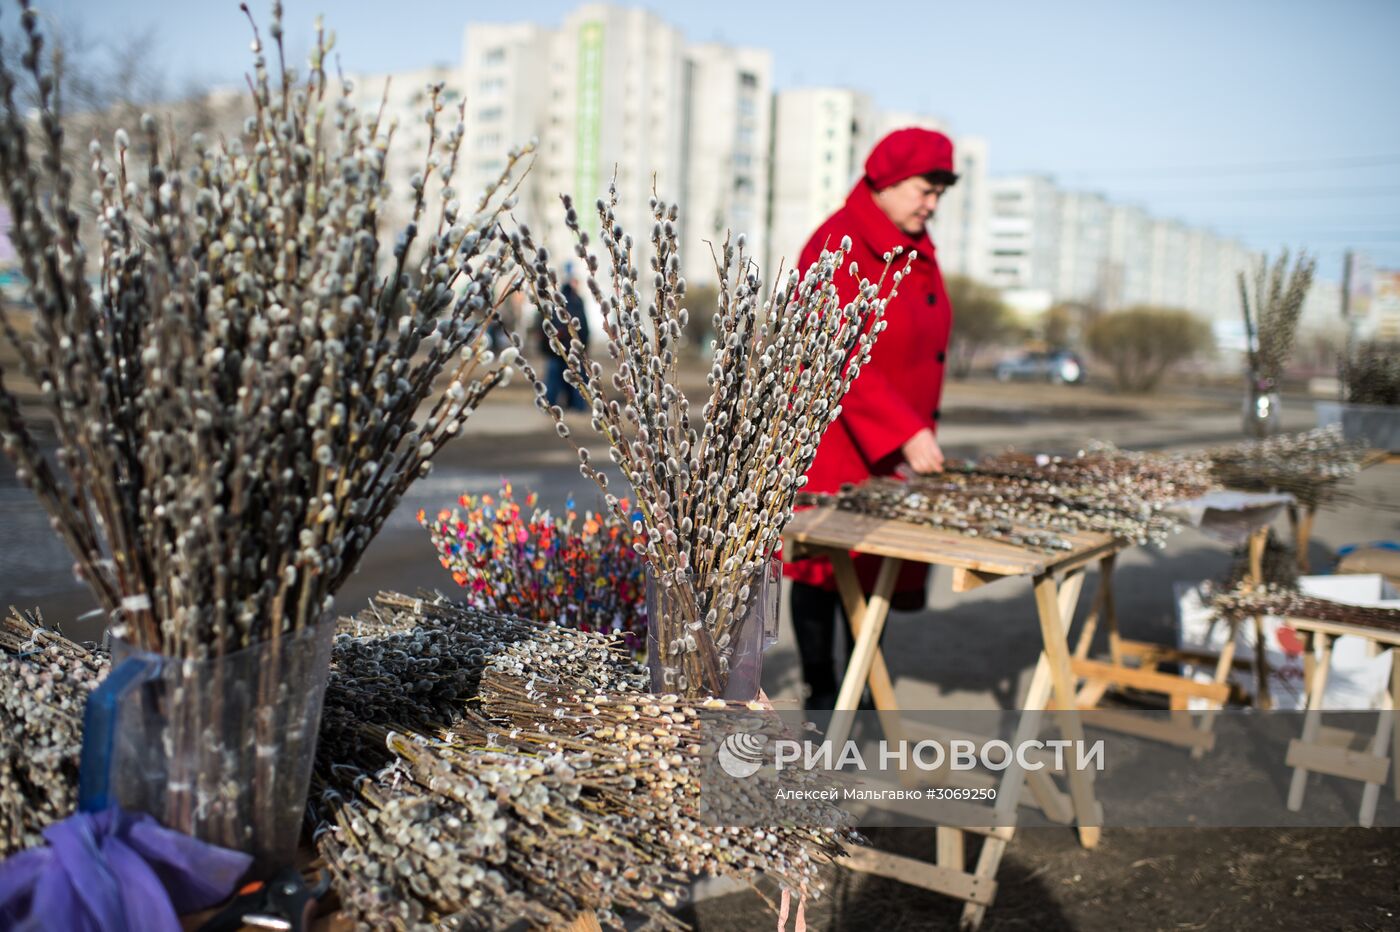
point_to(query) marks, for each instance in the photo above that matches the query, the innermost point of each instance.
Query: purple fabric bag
(114, 871)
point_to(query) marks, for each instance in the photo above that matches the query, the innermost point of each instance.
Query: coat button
(937, 412)
(932, 298)
(942, 357)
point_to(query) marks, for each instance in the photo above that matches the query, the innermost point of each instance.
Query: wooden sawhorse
(1329, 750)
(1057, 579)
(1135, 665)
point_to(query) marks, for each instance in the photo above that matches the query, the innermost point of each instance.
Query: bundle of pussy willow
(1312, 466)
(1281, 602)
(1035, 501)
(481, 771)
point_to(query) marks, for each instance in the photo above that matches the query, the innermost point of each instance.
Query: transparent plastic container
(221, 750)
(731, 670)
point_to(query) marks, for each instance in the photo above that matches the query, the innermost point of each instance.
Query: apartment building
(821, 136)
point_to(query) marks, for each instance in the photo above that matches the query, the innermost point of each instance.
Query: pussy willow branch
(713, 492)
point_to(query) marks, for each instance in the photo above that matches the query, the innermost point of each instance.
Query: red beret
(905, 153)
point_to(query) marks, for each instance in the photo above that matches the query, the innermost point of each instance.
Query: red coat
(897, 392)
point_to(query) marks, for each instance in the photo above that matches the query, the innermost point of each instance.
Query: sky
(1276, 121)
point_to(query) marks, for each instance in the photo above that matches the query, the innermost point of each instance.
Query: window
(489, 114)
(492, 85)
(495, 55)
(748, 80)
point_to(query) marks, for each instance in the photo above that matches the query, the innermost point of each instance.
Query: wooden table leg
(1258, 542)
(1223, 665)
(1053, 604)
(1312, 719)
(1380, 746)
(881, 684)
(1302, 536)
(1395, 723)
(868, 630)
(1013, 779)
(1103, 597)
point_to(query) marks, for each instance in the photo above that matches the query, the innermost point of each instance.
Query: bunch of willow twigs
(1033, 501)
(1312, 466)
(474, 771)
(1271, 318)
(714, 490)
(1290, 603)
(561, 787)
(44, 682)
(1370, 373)
(237, 399)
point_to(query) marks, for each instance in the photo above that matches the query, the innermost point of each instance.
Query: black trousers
(814, 621)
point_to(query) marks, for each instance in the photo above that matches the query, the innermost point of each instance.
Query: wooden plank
(1162, 653)
(1166, 731)
(1370, 796)
(1056, 805)
(868, 630)
(965, 580)
(828, 527)
(1091, 694)
(1091, 621)
(959, 884)
(1149, 680)
(1336, 629)
(881, 685)
(1050, 605)
(1312, 720)
(988, 861)
(1303, 537)
(950, 848)
(1395, 722)
(1338, 762)
(1080, 559)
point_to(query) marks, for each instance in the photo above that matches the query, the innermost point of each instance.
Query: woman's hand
(923, 453)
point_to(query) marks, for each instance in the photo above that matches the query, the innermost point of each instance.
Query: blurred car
(1054, 366)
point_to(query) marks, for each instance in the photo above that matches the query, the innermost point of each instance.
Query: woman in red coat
(889, 418)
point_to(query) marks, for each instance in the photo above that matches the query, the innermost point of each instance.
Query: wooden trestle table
(1057, 580)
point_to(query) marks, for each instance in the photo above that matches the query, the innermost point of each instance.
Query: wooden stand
(1058, 580)
(1136, 665)
(1329, 750)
